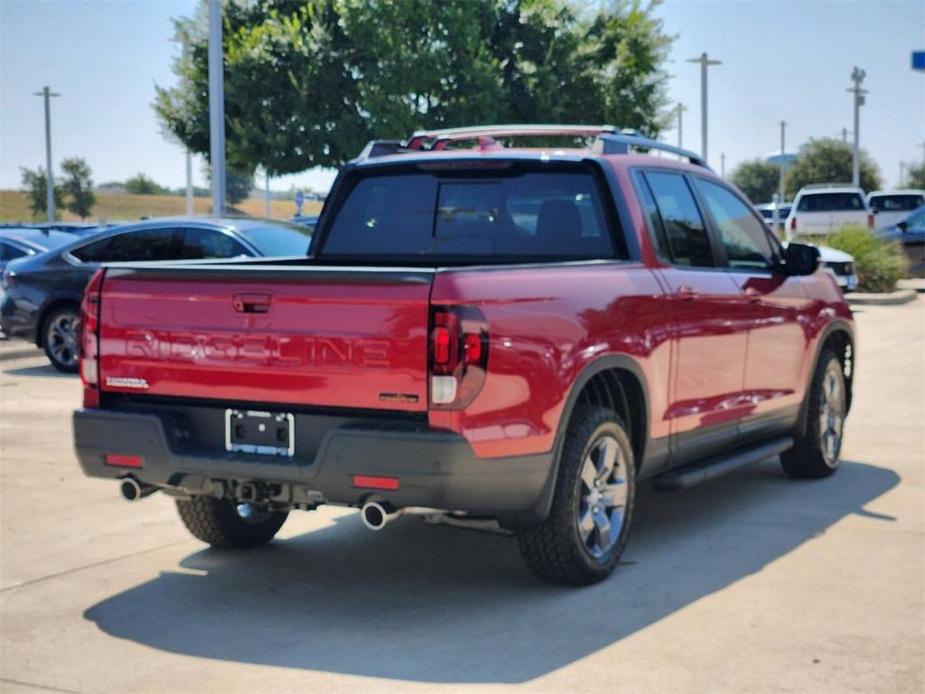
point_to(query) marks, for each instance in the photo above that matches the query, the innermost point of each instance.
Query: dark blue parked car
(41, 294)
(910, 232)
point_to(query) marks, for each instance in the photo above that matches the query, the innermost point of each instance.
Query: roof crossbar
(622, 143)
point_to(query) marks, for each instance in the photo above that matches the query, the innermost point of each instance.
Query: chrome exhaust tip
(376, 515)
(133, 491)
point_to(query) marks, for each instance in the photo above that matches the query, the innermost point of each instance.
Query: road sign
(918, 60)
(299, 201)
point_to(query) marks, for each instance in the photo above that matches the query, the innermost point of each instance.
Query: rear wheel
(816, 454)
(226, 523)
(59, 337)
(581, 540)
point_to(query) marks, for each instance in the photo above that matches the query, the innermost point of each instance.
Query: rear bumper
(435, 469)
(15, 320)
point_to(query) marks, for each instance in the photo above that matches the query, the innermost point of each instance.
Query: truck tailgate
(299, 335)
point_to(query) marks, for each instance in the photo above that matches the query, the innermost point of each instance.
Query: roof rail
(833, 184)
(622, 142)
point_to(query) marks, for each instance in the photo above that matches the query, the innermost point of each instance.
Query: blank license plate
(261, 433)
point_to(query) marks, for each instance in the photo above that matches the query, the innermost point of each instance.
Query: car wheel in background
(60, 338)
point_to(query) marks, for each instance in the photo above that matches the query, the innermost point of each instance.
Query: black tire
(557, 550)
(60, 338)
(816, 454)
(217, 522)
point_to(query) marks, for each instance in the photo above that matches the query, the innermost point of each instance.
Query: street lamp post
(47, 94)
(722, 165)
(681, 108)
(216, 108)
(705, 62)
(857, 76)
(783, 150)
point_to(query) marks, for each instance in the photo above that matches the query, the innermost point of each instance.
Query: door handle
(685, 293)
(252, 303)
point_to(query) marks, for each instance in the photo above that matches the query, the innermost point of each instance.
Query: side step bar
(709, 468)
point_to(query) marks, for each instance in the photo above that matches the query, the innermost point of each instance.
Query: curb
(901, 296)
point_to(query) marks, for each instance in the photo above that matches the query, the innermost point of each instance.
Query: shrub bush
(879, 263)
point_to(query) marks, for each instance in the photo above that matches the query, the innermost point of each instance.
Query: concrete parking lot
(751, 583)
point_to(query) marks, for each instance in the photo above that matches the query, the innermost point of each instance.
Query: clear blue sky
(781, 60)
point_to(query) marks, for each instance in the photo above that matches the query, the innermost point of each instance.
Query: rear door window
(11, 252)
(680, 224)
(743, 236)
(896, 203)
(831, 202)
(132, 246)
(555, 215)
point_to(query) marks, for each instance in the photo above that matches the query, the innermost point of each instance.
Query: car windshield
(279, 239)
(897, 203)
(831, 202)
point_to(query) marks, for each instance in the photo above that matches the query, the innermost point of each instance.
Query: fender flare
(540, 511)
(834, 326)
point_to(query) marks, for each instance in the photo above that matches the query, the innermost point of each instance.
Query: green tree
(34, 182)
(78, 186)
(757, 179)
(828, 160)
(916, 175)
(139, 184)
(238, 184)
(308, 83)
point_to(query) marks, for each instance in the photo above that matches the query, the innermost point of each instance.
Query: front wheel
(226, 523)
(581, 540)
(816, 454)
(60, 339)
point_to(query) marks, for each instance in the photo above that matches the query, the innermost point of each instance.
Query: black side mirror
(903, 225)
(801, 259)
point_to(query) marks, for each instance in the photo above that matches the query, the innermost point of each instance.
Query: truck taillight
(89, 340)
(870, 220)
(793, 224)
(458, 356)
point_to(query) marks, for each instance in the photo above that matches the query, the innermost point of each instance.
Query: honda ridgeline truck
(521, 334)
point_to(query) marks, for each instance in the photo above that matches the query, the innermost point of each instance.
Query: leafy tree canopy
(78, 186)
(34, 182)
(757, 179)
(916, 177)
(828, 160)
(308, 83)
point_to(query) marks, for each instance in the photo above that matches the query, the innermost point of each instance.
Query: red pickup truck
(520, 334)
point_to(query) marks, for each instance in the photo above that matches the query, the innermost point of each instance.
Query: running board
(708, 468)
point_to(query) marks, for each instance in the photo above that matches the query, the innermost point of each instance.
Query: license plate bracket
(259, 432)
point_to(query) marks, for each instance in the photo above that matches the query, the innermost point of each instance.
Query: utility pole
(705, 62)
(783, 151)
(857, 76)
(844, 135)
(902, 174)
(216, 108)
(266, 193)
(681, 108)
(189, 184)
(722, 165)
(47, 94)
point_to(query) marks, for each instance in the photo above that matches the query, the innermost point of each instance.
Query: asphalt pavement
(749, 583)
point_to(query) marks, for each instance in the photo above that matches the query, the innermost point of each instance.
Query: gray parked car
(42, 293)
(910, 232)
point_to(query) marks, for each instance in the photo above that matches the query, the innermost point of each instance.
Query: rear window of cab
(831, 202)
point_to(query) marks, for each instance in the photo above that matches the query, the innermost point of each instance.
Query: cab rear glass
(483, 216)
(831, 202)
(897, 203)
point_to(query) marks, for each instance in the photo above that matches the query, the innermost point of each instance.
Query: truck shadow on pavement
(445, 605)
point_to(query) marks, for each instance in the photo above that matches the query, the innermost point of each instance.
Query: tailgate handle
(252, 303)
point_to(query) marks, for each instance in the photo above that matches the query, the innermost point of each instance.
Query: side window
(682, 224)
(149, 244)
(653, 218)
(742, 234)
(9, 252)
(200, 244)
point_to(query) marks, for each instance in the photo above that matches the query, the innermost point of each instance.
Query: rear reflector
(124, 460)
(373, 482)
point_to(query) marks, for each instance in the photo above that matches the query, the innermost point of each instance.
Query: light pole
(681, 108)
(266, 193)
(783, 150)
(902, 173)
(722, 165)
(216, 108)
(857, 76)
(705, 62)
(46, 93)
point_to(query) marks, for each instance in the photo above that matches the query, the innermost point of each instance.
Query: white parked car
(893, 206)
(819, 210)
(838, 264)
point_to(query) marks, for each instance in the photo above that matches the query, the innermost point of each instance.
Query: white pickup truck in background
(823, 210)
(893, 206)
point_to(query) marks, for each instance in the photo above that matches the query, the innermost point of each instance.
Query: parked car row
(45, 272)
